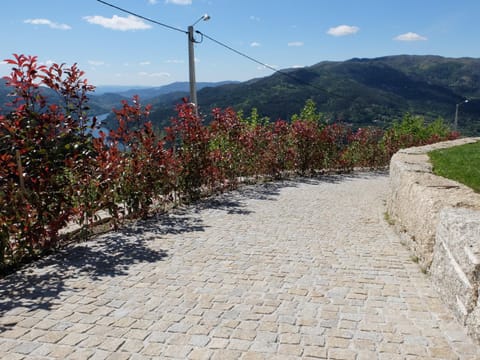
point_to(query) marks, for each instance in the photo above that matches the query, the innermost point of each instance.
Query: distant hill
(158, 97)
(104, 103)
(104, 98)
(6, 95)
(358, 91)
(176, 87)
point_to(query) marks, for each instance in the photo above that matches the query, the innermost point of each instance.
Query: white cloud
(47, 63)
(175, 61)
(343, 30)
(297, 66)
(295, 43)
(118, 23)
(179, 2)
(255, 44)
(410, 36)
(145, 63)
(96, 62)
(49, 23)
(153, 2)
(159, 74)
(254, 18)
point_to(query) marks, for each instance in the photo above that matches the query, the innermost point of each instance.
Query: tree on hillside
(309, 113)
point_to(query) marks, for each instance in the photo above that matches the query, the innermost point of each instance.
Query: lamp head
(203, 17)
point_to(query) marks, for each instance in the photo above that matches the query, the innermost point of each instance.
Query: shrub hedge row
(53, 171)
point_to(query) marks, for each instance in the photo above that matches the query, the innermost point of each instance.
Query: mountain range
(107, 97)
(357, 91)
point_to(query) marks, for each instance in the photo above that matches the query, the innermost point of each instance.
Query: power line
(225, 46)
(143, 17)
(238, 52)
(266, 65)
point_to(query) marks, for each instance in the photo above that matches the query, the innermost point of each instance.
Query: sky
(115, 48)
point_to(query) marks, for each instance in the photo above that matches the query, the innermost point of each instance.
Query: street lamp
(455, 122)
(191, 60)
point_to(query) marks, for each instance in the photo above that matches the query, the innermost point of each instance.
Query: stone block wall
(439, 221)
(455, 269)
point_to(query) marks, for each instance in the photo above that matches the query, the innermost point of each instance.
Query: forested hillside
(359, 91)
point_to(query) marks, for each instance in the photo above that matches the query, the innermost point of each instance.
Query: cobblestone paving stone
(298, 269)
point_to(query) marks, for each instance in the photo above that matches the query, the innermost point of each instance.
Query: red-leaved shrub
(53, 171)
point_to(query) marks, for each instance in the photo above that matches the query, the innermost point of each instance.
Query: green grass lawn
(459, 163)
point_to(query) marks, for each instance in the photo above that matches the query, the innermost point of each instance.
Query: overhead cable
(143, 17)
(282, 72)
(295, 78)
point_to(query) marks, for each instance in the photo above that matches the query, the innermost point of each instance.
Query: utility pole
(191, 62)
(455, 121)
(191, 67)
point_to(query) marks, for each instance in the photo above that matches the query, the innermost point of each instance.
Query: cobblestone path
(298, 269)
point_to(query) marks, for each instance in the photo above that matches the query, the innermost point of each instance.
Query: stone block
(456, 265)
(473, 323)
(456, 260)
(439, 221)
(417, 196)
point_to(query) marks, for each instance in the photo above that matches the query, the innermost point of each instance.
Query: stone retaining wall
(439, 221)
